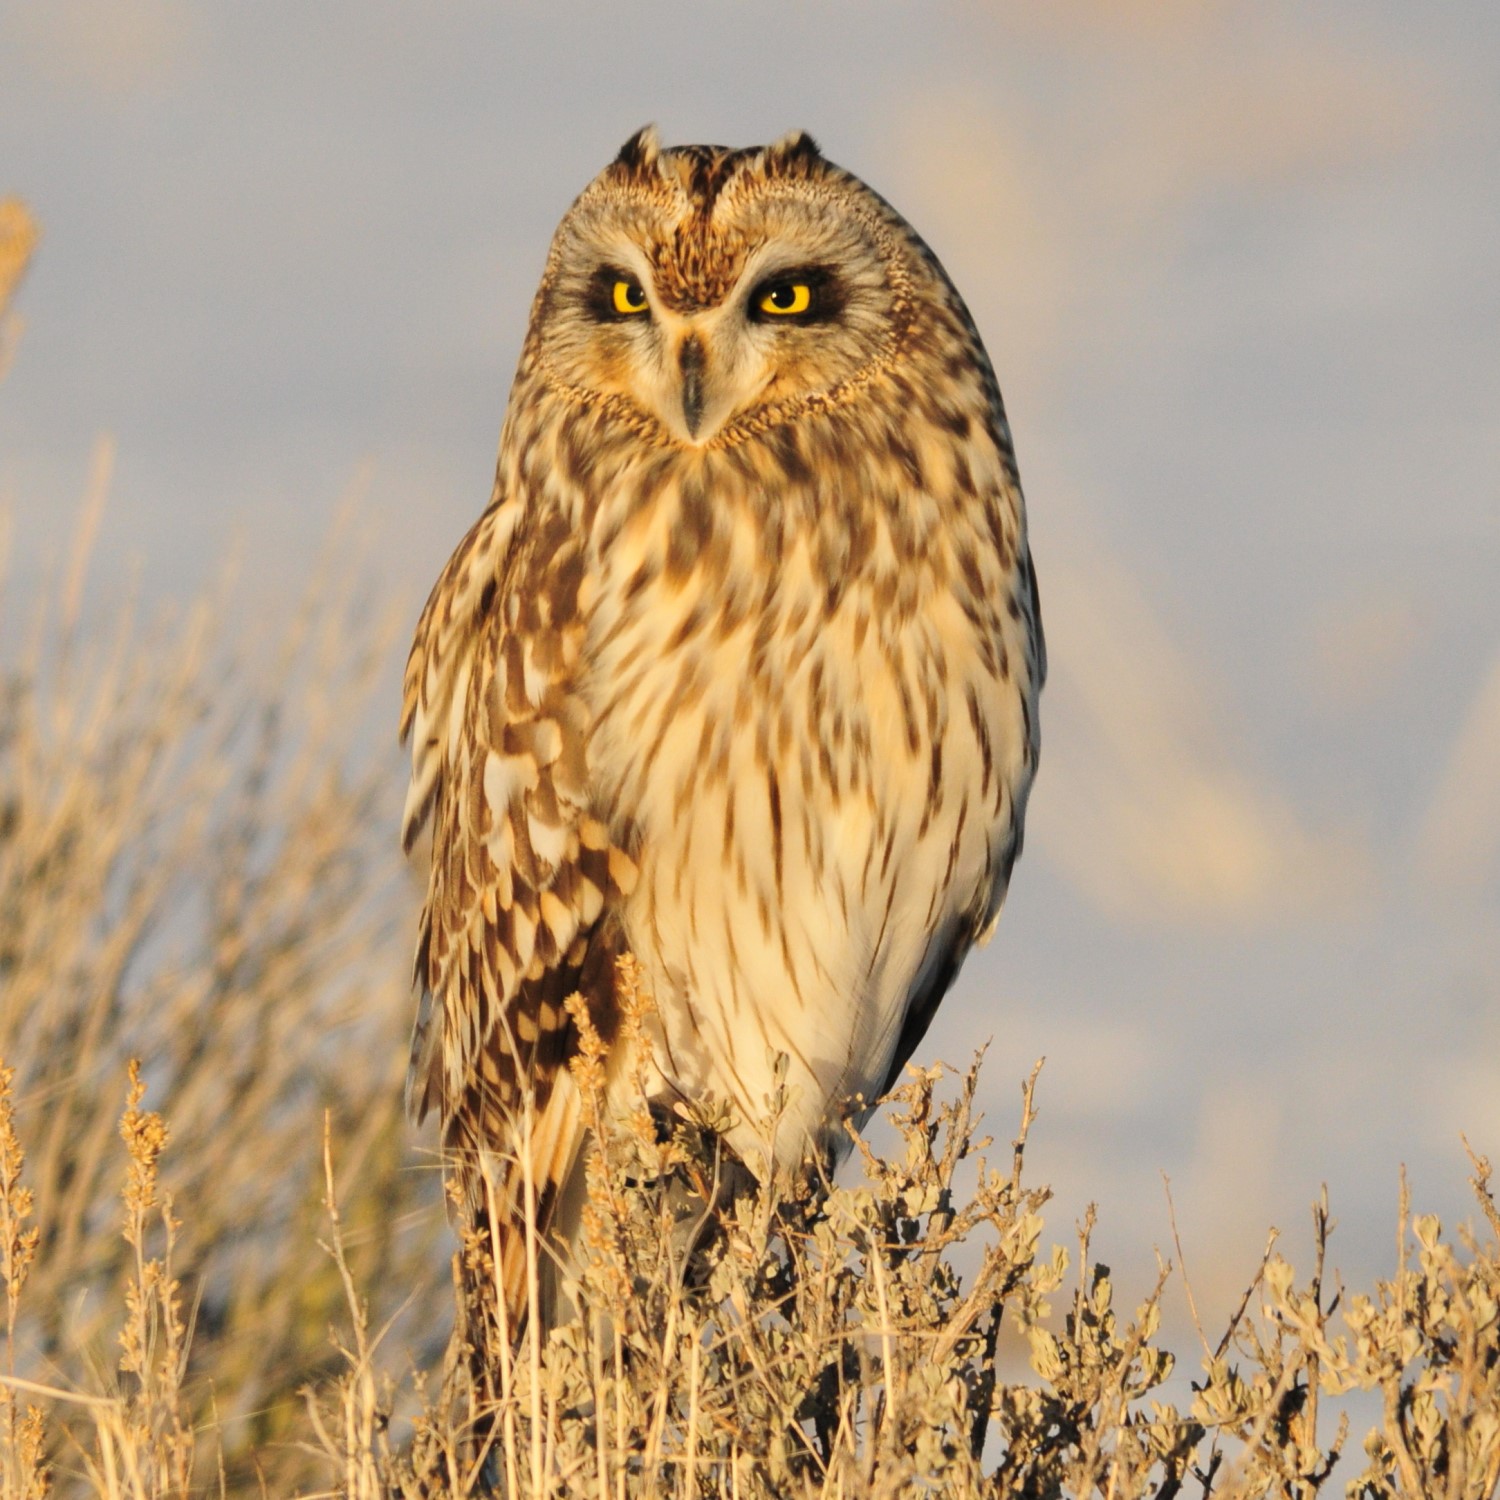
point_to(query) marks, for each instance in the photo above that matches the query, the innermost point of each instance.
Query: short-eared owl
(738, 671)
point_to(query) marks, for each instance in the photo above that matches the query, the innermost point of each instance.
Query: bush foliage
(226, 1267)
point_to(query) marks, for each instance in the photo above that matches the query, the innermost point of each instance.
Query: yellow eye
(628, 297)
(788, 299)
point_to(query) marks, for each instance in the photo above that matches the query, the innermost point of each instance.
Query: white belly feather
(782, 909)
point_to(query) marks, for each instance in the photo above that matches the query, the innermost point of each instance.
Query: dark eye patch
(826, 296)
(599, 297)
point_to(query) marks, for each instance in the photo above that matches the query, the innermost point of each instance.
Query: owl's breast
(820, 778)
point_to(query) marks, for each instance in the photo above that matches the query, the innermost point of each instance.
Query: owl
(737, 673)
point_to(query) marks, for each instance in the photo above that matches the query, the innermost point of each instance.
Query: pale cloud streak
(1146, 805)
(1458, 842)
(1362, 645)
(1104, 165)
(1221, 1200)
(94, 48)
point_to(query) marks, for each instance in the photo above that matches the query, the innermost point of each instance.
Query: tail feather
(520, 1222)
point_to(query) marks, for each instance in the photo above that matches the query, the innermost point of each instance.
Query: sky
(1238, 268)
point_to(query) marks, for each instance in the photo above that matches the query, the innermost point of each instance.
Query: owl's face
(710, 290)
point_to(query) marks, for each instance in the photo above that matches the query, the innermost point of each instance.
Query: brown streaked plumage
(738, 671)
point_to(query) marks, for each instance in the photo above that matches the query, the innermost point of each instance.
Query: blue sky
(1238, 267)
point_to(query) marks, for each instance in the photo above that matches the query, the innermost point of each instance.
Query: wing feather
(521, 873)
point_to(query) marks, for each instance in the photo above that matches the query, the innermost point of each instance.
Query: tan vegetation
(226, 1264)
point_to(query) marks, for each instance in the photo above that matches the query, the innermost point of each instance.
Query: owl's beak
(690, 362)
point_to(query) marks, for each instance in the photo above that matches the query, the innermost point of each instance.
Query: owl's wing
(947, 948)
(521, 872)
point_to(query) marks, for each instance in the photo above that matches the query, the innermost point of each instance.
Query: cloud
(967, 176)
(1458, 842)
(1277, 108)
(1362, 645)
(102, 48)
(1063, 190)
(1142, 803)
(1232, 1183)
(1465, 1095)
(1098, 1067)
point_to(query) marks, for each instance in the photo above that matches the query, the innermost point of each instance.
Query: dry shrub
(18, 239)
(822, 1342)
(819, 1342)
(197, 871)
(190, 875)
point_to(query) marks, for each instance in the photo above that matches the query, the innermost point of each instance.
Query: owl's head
(714, 292)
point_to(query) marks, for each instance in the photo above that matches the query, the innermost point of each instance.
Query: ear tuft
(638, 154)
(795, 148)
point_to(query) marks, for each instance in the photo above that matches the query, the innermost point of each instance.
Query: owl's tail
(517, 1252)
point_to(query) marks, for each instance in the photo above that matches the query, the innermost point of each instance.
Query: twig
(1187, 1284)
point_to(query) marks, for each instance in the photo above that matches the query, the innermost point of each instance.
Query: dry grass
(202, 1015)
(196, 872)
